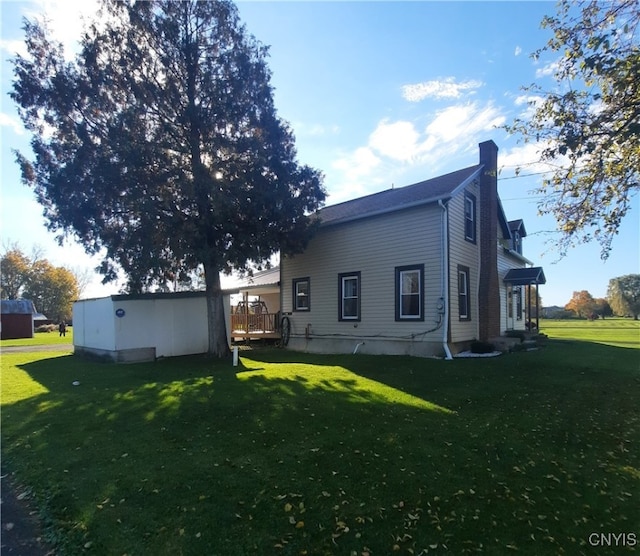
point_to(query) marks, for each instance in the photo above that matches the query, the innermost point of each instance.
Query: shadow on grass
(193, 456)
(190, 431)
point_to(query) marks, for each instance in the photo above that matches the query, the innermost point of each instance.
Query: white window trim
(297, 295)
(344, 278)
(400, 272)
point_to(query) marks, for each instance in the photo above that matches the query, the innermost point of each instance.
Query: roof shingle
(428, 191)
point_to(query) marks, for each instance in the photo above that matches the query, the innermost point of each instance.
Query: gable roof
(424, 192)
(518, 226)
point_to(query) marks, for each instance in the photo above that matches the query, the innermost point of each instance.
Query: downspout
(445, 281)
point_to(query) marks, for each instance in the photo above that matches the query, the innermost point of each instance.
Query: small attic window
(517, 242)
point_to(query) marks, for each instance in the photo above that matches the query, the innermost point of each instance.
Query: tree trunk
(216, 320)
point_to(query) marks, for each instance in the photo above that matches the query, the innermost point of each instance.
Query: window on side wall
(518, 294)
(469, 217)
(464, 298)
(349, 296)
(410, 293)
(301, 294)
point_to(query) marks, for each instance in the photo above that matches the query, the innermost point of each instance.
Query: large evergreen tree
(160, 146)
(588, 126)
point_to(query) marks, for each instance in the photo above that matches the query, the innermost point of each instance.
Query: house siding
(374, 247)
(463, 253)
(505, 263)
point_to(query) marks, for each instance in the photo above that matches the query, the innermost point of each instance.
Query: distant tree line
(53, 289)
(623, 300)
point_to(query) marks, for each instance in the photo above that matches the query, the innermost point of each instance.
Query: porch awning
(525, 276)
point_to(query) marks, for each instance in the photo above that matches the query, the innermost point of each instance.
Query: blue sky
(379, 94)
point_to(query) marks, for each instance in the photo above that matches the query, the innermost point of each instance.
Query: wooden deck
(255, 326)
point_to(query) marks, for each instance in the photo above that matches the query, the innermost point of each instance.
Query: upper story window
(517, 242)
(301, 294)
(464, 304)
(410, 292)
(469, 217)
(349, 287)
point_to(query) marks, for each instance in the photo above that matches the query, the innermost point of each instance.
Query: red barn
(16, 318)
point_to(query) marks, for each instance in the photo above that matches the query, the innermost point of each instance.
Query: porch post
(245, 298)
(537, 308)
(529, 307)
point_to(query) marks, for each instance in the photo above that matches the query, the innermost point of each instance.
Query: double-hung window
(301, 294)
(349, 298)
(409, 292)
(469, 217)
(464, 305)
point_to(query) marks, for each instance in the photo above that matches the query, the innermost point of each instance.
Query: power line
(524, 175)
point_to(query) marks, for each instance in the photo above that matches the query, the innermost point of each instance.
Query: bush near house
(292, 453)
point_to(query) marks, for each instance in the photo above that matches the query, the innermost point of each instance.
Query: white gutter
(445, 280)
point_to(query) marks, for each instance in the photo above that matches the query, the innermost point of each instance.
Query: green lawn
(292, 453)
(41, 338)
(615, 332)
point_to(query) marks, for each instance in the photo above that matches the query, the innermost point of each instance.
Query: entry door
(510, 307)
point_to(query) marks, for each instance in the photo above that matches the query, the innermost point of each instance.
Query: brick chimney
(489, 289)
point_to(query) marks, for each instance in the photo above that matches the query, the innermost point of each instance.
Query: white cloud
(397, 148)
(13, 123)
(13, 47)
(444, 88)
(357, 164)
(525, 157)
(464, 120)
(530, 103)
(547, 70)
(398, 140)
(64, 19)
(518, 51)
(315, 130)
(354, 175)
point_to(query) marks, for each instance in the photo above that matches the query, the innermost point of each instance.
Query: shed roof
(428, 191)
(18, 307)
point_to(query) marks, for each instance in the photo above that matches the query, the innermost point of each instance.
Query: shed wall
(172, 326)
(16, 326)
(93, 324)
(147, 328)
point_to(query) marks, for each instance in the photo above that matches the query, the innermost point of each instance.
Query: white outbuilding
(143, 327)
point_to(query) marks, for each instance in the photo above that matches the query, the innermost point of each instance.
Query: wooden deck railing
(252, 323)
